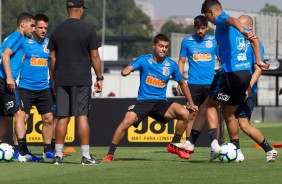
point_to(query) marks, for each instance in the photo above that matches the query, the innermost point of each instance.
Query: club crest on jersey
(166, 71)
(209, 44)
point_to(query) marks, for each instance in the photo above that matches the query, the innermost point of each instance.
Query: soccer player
(12, 52)
(200, 49)
(233, 79)
(155, 71)
(244, 111)
(74, 50)
(34, 80)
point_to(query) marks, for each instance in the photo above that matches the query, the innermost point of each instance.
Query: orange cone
(70, 150)
(256, 145)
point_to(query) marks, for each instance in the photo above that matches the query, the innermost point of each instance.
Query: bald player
(244, 111)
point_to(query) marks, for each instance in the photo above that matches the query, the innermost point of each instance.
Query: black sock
(53, 145)
(47, 148)
(194, 136)
(176, 138)
(236, 143)
(16, 148)
(265, 146)
(213, 134)
(22, 146)
(112, 149)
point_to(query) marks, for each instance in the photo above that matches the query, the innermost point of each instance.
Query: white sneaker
(187, 146)
(271, 155)
(240, 156)
(215, 150)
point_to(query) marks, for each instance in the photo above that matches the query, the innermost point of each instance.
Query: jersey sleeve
(136, 64)
(175, 73)
(221, 20)
(15, 43)
(94, 42)
(183, 50)
(51, 44)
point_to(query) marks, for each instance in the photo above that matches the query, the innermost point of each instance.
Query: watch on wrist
(100, 78)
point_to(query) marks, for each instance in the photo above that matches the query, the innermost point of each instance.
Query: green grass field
(153, 165)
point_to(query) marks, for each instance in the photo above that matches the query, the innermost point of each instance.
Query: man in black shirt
(73, 50)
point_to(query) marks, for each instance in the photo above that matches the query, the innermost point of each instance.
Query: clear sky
(168, 8)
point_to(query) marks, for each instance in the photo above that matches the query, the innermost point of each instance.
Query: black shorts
(54, 107)
(246, 108)
(230, 87)
(73, 100)
(42, 99)
(199, 93)
(156, 109)
(10, 101)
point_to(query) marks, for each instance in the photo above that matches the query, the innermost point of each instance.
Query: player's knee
(245, 127)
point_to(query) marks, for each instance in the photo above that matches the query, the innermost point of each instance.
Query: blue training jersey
(251, 57)
(35, 68)
(155, 76)
(201, 58)
(15, 42)
(232, 46)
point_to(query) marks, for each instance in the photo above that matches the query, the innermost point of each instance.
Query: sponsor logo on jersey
(43, 62)
(242, 57)
(150, 60)
(240, 43)
(9, 105)
(166, 63)
(152, 81)
(209, 44)
(202, 57)
(131, 107)
(29, 41)
(166, 71)
(223, 97)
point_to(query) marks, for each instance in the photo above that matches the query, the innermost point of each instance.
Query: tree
(270, 9)
(123, 19)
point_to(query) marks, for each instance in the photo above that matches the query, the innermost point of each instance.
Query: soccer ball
(6, 152)
(228, 152)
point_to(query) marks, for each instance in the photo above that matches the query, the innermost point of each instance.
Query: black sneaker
(92, 161)
(57, 160)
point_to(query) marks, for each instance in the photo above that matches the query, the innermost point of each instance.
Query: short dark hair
(208, 4)
(200, 20)
(24, 17)
(161, 37)
(41, 17)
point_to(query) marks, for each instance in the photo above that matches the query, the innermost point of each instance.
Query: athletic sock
(59, 150)
(112, 149)
(176, 138)
(194, 136)
(17, 148)
(22, 146)
(213, 134)
(236, 143)
(53, 145)
(265, 146)
(85, 151)
(47, 148)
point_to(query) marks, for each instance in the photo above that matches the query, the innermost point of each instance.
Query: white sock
(85, 151)
(59, 150)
